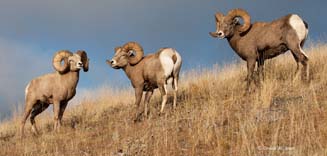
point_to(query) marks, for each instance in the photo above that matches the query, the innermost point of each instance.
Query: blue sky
(32, 31)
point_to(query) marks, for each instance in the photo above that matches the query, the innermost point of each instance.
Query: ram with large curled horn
(148, 73)
(56, 88)
(263, 40)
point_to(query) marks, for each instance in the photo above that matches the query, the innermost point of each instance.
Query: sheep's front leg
(250, 67)
(261, 63)
(63, 106)
(56, 112)
(138, 98)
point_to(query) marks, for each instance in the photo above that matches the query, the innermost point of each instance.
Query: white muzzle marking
(113, 62)
(79, 65)
(221, 34)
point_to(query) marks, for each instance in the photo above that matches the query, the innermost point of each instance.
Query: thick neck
(128, 70)
(233, 40)
(71, 78)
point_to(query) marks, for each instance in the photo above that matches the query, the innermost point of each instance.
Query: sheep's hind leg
(163, 91)
(296, 49)
(27, 112)
(302, 57)
(37, 109)
(305, 69)
(296, 75)
(175, 87)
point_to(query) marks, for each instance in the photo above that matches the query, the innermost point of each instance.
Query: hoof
(161, 114)
(138, 117)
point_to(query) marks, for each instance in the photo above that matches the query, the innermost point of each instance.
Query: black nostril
(111, 62)
(80, 63)
(220, 33)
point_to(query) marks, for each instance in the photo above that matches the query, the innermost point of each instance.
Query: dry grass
(214, 117)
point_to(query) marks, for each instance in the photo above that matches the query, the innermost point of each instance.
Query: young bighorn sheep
(55, 88)
(263, 40)
(149, 72)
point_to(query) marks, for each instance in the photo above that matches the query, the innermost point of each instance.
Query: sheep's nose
(80, 63)
(220, 33)
(112, 61)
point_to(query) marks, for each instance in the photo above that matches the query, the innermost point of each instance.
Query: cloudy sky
(32, 31)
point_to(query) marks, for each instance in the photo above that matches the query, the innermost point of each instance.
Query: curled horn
(84, 59)
(58, 57)
(138, 52)
(244, 15)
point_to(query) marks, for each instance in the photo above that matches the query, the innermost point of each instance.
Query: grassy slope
(214, 117)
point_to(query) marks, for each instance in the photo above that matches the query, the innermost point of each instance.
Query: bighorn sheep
(263, 40)
(149, 72)
(55, 88)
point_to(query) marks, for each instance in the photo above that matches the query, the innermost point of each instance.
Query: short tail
(177, 59)
(306, 33)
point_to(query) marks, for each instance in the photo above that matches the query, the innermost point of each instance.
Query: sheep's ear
(117, 49)
(131, 53)
(216, 18)
(236, 20)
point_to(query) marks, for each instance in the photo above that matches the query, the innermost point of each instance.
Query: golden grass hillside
(214, 117)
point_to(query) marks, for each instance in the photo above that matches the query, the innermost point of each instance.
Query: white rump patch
(298, 25)
(166, 61)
